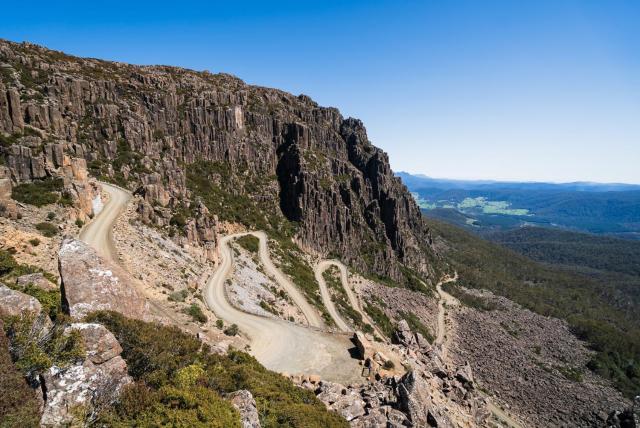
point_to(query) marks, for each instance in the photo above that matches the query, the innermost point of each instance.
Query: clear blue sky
(517, 90)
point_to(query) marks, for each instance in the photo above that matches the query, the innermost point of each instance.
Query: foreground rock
(83, 389)
(628, 418)
(36, 279)
(243, 401)
(430, 395)
(91, 283)
(16, 303)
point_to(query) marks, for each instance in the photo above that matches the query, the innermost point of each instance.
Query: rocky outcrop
(414, 399)
(345, 402)
(628, 418)
(145, 127)
(16, 303)
(36, 279)
(245, 403)
(91, 283)
(83, 389)
(431, 394)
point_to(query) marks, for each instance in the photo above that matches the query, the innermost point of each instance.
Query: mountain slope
(252, 155)
(590, 307)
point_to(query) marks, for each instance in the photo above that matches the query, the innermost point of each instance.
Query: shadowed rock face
(91, 283)
(147, 125)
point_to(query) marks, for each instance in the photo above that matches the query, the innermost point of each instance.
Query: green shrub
(468, 299)
(50, 300)
(388, 365)
(232, 330)
(416, 325)
(196, 313)
(34, 242)
(47, 229)
(571, 373)
(380, 319)
(51, 215)
(33, 353)
(79, 223)
(7, 262)
(178, 296)
(38, 193)
(219, 324)
(18, 405)
(157, 356)
(249, 243)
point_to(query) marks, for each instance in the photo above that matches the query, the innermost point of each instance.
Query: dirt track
(447, 300)
(281, 345)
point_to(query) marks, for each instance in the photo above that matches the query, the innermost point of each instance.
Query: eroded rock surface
(431, 394)
(36, 279)
(91, 283)
(13, 302)
(245, 403)
(85, 387)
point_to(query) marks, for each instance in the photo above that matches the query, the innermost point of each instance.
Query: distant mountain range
(600, 208)
(421, 180)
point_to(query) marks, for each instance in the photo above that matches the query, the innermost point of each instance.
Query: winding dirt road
(98, 233)
(281, 345)
(326, 296)
(319, 269)
(309, 312)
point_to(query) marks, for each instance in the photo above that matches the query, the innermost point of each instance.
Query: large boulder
(13, 302)
(16, 303)
(414, 399)
(365, 350)
(344, 401)
(92, 283)
(86, 387)
(245, 403)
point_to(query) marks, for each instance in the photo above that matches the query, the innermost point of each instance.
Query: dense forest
(591, 306)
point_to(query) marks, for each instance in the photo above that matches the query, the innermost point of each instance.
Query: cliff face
(146, 128)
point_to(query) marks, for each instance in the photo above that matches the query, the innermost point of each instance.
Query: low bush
(416, 325)
(232, 330)
(249, 243)
(178, 296)
(178, 380)
(196, 313)
(380, 319)
(34, 242)
(33, 353)
(38, 193)
(47, 229)
(18, 405)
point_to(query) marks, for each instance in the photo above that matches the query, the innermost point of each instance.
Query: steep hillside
(594, 310)
(195, 144)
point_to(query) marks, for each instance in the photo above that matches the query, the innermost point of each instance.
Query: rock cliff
(158, 130)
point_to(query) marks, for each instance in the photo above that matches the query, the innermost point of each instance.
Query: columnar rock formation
(145, 126)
